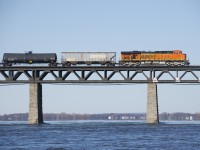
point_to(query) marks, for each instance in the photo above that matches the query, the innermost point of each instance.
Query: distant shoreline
(103, 116)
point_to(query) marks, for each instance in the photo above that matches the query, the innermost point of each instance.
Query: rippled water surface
(100, 135)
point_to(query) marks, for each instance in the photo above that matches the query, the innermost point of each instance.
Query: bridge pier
(152, 115)
(35, 104)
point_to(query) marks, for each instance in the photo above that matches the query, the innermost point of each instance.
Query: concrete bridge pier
(35, 104)
(152, 115)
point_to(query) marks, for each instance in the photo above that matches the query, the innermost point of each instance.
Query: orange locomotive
(172, 58)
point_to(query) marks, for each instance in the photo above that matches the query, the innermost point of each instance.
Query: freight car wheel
(168, 63)
(66, 64)
(7, 64)
(138, 64)
(108, 64)
(69, 64)
(52, 64)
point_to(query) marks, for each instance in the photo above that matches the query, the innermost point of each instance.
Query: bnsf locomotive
(127, 58)
(175, 57)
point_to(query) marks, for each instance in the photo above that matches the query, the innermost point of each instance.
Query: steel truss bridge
(100, 74)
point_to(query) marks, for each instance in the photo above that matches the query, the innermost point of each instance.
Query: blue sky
(114, 25)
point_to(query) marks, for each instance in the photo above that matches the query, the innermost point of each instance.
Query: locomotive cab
(177, 52)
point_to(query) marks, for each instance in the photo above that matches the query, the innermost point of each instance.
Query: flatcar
(29, 58)
(88, 58)
(170, 58)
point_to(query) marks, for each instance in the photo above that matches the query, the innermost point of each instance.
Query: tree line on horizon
(104, 116)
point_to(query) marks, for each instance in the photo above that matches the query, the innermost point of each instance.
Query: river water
(100, 135)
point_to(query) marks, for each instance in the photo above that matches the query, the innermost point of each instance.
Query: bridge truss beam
(100, 74)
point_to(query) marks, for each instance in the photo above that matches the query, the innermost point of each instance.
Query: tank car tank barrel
(29, 58)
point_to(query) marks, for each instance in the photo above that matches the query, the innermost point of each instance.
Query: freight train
(127, 58)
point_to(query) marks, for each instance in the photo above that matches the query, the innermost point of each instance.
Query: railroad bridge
(151, 75)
